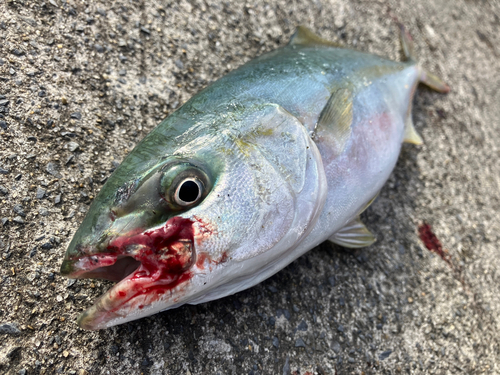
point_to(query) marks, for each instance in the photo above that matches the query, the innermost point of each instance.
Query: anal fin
(353, 236)
(411, 135)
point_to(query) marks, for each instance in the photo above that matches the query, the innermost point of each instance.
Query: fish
(252, 172)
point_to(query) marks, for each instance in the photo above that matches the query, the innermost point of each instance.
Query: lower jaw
(133, 298)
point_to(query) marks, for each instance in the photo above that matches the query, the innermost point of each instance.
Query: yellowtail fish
(258, 168)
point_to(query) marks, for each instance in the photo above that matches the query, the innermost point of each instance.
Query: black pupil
(189, 191)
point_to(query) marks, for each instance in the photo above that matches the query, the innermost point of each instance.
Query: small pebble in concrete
(73, 146)
(18, 209)
(18, 220)
(336, 347)
(76, 115)
(286, 367)
(300, 343)
(40, 193)
(52, 169)
(9, 329)
(384, 355)
(276, 342)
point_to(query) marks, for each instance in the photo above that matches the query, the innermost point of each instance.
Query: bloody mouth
(149, 264)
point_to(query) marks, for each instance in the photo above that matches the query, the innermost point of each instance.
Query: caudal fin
(426, 78)
(433, 82)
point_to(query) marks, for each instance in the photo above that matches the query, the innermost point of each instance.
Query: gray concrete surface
(86, 80)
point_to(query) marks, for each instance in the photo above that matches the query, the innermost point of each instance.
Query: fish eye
(188, 192)
(184, 185)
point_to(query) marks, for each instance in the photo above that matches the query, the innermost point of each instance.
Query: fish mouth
(149, 267)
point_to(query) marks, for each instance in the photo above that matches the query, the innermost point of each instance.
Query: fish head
(203, 207)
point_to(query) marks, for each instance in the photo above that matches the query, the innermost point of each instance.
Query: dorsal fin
(336, 117)
(305, 37)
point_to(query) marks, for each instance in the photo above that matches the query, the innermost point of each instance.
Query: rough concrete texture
(86, 80)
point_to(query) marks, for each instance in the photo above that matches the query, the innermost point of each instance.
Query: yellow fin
(428, 79)
(353, 236)
(434, 82)
(411, 135)
(305, 37)
(336, 117)
(407, 44)
(369, 203)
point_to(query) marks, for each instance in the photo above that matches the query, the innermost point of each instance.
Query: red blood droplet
(431, 242)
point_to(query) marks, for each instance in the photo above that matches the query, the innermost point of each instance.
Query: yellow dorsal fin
(305, 37)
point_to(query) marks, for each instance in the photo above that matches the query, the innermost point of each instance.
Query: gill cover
(273, 188)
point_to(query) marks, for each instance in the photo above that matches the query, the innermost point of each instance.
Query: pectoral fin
(304, 36)
(353, 236)
(336, 118)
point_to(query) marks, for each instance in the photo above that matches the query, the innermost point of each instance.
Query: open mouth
(148, 267)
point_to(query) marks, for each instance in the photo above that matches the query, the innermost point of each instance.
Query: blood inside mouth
(151, 263)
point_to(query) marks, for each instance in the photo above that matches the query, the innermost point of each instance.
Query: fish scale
(274, 158)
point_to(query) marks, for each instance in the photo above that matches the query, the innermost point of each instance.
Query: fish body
(258, 168)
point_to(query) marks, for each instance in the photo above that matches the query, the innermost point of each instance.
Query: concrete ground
(84, 81)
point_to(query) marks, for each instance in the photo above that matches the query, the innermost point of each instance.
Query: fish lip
(158, 260)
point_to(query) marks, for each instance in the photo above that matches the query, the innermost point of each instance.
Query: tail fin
(406, 43)
(426, 78)
(433, 82)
